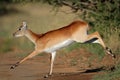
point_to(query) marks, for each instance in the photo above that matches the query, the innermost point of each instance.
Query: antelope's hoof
(15, 65)
(46, 76)
(12, 67)
(113, 56)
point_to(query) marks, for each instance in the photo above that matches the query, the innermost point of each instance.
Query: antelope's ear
(24, 24)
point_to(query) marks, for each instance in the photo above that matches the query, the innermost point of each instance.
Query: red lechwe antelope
(51, 41)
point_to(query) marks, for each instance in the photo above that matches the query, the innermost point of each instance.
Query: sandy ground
(38, 67)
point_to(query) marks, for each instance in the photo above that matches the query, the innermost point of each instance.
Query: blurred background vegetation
(44, 15)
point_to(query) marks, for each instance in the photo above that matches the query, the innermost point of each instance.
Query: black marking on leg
(91, 40)
(15, 65)
(109, 51)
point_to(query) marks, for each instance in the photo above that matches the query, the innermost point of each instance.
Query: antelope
(52, 41)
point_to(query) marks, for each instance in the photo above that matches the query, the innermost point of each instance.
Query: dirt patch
(68, 67)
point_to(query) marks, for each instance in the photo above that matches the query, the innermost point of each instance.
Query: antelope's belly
(58, 46)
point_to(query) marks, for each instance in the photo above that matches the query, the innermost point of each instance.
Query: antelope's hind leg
(96, 38)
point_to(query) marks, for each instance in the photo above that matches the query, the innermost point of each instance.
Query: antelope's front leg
(29, 56)
(52, 58)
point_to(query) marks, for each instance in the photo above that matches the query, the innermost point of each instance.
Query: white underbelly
(58, 46)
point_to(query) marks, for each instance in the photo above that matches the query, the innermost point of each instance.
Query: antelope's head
(21, 30)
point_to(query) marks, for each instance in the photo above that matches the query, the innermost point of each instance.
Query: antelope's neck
(31, 36)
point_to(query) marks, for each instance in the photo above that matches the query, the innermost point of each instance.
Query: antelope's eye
(19, 29)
